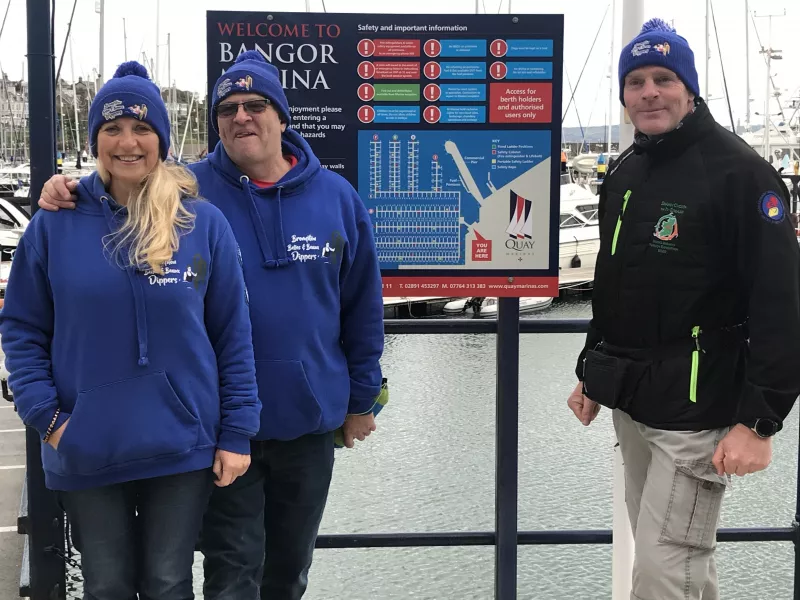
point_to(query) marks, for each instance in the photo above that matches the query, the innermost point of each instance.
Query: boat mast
(158, 38)
(611, 76)
(772, 54)
(747, 60)
(101, 10)
(10, 113)
(708, 49)
(75, 106)
(63, 125)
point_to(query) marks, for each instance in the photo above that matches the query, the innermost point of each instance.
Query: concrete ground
(12, 454)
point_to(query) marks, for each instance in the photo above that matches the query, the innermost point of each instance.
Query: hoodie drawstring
(282, 258)
(138, 292)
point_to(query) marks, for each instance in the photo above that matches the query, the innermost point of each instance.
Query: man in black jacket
(695, 335)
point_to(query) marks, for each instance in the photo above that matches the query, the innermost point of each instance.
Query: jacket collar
(695, 125)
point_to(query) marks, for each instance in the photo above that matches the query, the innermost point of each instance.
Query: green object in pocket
(381, 401)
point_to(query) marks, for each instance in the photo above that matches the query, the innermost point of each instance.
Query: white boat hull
(488, 308)
(585, 249)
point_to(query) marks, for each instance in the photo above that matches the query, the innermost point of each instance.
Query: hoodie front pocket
(129, 420)
(289, 406)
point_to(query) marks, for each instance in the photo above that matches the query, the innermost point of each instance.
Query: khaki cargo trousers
(673, 496)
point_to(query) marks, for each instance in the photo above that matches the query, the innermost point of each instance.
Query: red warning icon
(432, 114)
(432, 92)
(366, 92)
(366, 70)
(366, 47)
(366, 114)
(498, 70)
(433, 70)
(433, 48)
(498, 48)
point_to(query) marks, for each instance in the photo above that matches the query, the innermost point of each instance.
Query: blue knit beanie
(658, 44)
(130, 93)
(251, 73)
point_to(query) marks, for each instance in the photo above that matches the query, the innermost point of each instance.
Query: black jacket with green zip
(702, 244)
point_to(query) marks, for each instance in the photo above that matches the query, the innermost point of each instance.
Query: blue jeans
(139, 536)
(259, 532)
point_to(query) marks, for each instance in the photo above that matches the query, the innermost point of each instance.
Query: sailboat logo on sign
(520, 221)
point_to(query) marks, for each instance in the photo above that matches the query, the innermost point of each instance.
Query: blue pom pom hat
(251, 73)
(658, 44)
(130, 93)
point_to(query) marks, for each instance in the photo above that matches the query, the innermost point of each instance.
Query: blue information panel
(447, 126)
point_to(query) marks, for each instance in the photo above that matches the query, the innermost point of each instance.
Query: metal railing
(43, 522)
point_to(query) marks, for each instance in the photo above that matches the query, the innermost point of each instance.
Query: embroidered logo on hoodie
(197, 272)
(194, 274)
(332, 251)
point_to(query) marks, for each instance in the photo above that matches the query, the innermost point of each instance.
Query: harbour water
(430, 468)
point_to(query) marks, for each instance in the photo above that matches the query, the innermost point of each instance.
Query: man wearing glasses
(317, 322)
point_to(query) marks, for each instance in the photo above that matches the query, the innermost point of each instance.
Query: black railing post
(46, 532)
(41, 101)
(506, 449)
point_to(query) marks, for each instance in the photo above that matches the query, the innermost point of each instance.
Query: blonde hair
(156, 217)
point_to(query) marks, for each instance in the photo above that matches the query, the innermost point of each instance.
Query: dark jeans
(139, 536)
(259, 532)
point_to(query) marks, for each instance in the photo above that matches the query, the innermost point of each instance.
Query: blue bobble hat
(658, 44)
(251, 73)
(130, 93)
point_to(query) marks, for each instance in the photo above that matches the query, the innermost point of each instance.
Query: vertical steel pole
(507, 448)
(46, 520)
(796, 541)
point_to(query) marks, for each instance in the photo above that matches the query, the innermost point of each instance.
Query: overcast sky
(185, 21)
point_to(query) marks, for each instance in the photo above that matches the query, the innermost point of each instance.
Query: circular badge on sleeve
(772, 208)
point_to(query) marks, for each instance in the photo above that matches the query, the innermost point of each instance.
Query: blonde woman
(127, 336)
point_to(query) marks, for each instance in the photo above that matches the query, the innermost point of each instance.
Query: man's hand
(357, 427)
(585, 409)
(58, 192)
(55, 437)
(228, 466)
(742, 451)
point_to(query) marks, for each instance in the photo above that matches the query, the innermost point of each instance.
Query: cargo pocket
(289, 407)
(694, 505)
(129, 420)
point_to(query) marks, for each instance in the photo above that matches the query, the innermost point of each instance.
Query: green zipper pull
(695, 364)
(619, 223)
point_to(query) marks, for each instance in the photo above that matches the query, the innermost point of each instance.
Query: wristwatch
(764, 428)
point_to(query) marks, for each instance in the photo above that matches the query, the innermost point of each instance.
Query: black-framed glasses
(227, 110)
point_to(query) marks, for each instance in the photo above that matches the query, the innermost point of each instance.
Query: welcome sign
(446, 125)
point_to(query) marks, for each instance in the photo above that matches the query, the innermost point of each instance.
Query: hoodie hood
(291, 183)
(265, 205)
(95, 200)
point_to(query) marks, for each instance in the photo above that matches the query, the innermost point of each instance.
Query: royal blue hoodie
(153, 371)
(316, 304)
